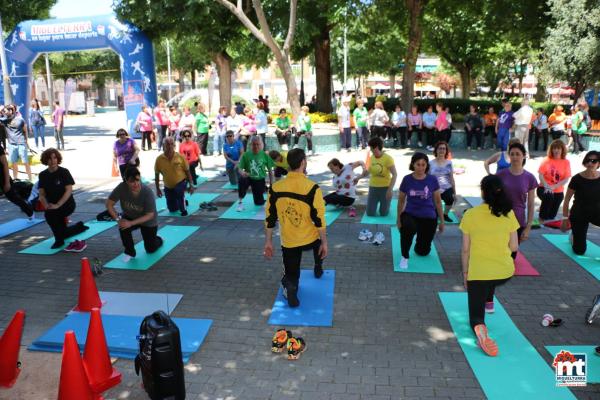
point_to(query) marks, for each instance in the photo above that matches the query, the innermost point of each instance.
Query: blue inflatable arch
(31, 38)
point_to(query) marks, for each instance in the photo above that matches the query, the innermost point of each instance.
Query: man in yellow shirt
(297, 202)
(281, 165)
(176, 175)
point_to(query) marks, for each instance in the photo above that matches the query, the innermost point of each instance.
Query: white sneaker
(378, 239)
(126, 258)
(240, 207)
(430, 148)
(420, 144)
(403, 263)
(365, 235)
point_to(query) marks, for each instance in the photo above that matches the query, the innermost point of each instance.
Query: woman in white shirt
(234, 123)
(379, 119)
(344, 124)
(187, 121)
(399, 126)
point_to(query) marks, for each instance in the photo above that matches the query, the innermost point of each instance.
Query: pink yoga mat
(524, 267)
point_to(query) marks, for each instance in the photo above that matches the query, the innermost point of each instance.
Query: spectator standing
(490, 119)
(540, 124)
(361, 117)
(220, 130)
(58, 118)
(162, 119)
(344, 124)
(16, 133)
(523, 118)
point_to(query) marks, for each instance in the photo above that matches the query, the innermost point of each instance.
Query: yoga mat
(429, 264)
(229, 186)
(316, 302)
(332, 213)
(590, 261)
(16, 225)
(473, 201)
(172, 235)
(518, 372)
(137, 304)
(193, 206)
(390, 219)
(250, 210)
(523, 267)
(43, 248)
(120, 332)
(592, 360)
(454, 218)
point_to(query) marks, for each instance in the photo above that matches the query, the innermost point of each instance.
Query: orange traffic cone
(10, 343)
(74, 383)
(101, 375)
(88, 292)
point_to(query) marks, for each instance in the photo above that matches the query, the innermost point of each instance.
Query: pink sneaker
(76, 247)
(352, 212)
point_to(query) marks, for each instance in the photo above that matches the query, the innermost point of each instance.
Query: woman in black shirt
(56, 195)
(585, 186)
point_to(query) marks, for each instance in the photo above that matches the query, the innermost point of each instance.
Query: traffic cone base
(74, 383)
(88, 292)
(110, 382)
(10, 344)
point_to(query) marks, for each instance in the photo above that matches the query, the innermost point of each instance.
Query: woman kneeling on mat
(554, 173)
(489, 236)
(382, 179)
(139, 211)
(441, 168)
(419, 205)
(56, 195)
(254, 166)
(344, 182)
(585, 186)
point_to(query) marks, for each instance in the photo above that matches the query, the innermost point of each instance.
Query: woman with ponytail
(489, 236)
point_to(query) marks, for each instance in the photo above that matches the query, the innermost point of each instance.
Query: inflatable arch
(31, 38)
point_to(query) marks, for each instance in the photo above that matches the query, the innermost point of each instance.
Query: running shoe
(184, 213)
(488, 346)
(203, 205)
(489, 307)
(295, 347)
(76, 247)
(365, 235)
(429, 148)
(403, 263)
(318, 271)
(378, 239)
(352, 212)
(447, 218)
(593, 311)
(240, 207)
(291, 294)
(57, 244)
(280, 339)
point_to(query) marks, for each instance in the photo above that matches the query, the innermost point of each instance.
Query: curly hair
(47, 154)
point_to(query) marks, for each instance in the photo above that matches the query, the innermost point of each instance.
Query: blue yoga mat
(43, 248)
(473, 201)
(590, 261)
(593, 361)
(390, 219)
(138, 304)
(16, 225)
(172, 235)
(251, 211)
(120, 332)
(316, 302)
(193, 206)
(429, 264)
(518, 372)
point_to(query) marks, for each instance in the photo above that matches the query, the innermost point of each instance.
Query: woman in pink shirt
(144, 122)
(174, 118)
(162, 119)
(441, 124)
(415, 124)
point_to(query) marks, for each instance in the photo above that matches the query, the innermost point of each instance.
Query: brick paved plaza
(390, 338)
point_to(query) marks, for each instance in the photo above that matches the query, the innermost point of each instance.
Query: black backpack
(160, 359)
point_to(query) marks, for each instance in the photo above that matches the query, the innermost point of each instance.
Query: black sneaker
(58, 244)
(318, 271)
(291, 294)
(184, 213)
(447, 218)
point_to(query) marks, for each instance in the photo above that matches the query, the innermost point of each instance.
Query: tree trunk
(392, 85)
(465, 81)
(223, 62)
(193, 73)
(285, 67)
(181, 74)
(416, 9)
(322, 45)
(595, 97)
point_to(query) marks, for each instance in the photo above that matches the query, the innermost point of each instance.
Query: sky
(80, 8)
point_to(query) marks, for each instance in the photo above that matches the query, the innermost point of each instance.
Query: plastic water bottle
(547, 319)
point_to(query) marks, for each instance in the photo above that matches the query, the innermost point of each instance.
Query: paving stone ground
(390, 337)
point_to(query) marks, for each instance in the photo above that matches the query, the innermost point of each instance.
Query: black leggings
(448, 198)
(193, 172)
(418, 131)
(258, 189)
(481, 292)
(283, 137)
(550, 203)
(151, 240)
(424, 228)
(307, 135)
(338, 199)
(146, 137)
(203, 143)
(543, 133)
(292, 257)
(378, 131)
(579, 227)
(56, 219)
(162, 133)
(17, 200)
(399, 132)
(429, 136)
(478, 136)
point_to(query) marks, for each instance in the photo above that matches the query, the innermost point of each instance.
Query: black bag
(22, 188)
(160, 358)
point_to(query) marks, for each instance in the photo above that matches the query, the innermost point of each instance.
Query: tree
(416, 12)
(22, 10)
(264, 35)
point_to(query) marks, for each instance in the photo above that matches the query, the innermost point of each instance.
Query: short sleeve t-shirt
(173, 171)
(58, 116)
(587, 195)
(304, 123)
(135, 206)
(489, 255)
(429, 119)
(256, 165)
(54, 184)
(555, 170)
(232, 151)
(283, 123)
(15, 127)
(190, 150)
(379, 170)
(124, 150)
(283, 163)
(344, 117)
(344, 182)
(443, 173)
(201, 121)
(517, 188)
(419, 195)
(361, 116)
(505, 121)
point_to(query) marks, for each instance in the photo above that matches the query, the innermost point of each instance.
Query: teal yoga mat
(332, 213)
(194, 201)
(518, 372)
(429, 264)
(43, 248)
(454, 218)
(172, 236)
(390, 219)
(229, 186)
(250, 210)
(593, 361)
(590, 261)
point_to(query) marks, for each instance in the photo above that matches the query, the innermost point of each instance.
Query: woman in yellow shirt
(489, 237)
(382, 179)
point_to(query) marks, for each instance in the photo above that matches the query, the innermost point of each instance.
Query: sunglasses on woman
(591, 160)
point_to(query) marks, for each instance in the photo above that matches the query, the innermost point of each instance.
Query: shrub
(320, 117)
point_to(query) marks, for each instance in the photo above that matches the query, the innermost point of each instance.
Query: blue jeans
(218, 141)
(346, 138)
(176, 197)
(39, 131)
(503, 136)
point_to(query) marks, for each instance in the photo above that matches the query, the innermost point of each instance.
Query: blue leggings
(39, 132)
(503, 136)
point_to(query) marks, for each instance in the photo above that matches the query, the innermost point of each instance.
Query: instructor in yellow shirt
(176, 176)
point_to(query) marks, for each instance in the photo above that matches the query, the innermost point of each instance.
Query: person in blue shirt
(232, 151)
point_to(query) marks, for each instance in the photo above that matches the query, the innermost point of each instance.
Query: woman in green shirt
(361, 115)
(304, 128)
(578, 127)
(254, 166)
(283, 130)
(201, 127)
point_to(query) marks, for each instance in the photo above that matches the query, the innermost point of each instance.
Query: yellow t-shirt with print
(489, 256)
(173, 171)
(283, 163)
(379, 170)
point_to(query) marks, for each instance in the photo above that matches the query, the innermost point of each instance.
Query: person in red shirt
(191, 151)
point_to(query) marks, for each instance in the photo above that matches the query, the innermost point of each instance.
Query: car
(181, 98)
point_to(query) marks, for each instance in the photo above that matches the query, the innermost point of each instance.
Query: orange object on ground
(101, 374)
(74, 383)
(115, 170)
(10, 343)
(88, 292)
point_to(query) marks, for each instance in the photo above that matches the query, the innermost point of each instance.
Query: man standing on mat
(139, 211)
(8, 189)
(176, 176)
(297, 202)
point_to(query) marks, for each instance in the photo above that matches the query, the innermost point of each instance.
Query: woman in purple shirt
(520, 187)
(125, 151)
(419, 205)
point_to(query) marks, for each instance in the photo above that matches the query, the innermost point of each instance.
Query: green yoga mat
(229, 186)
(332, 213)
(390, 219)
(593, 361)
(194, 201)
(172, 235)
(429, 264)
(43, 248)
(518, 372)
(590, 261)
(250, 210)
